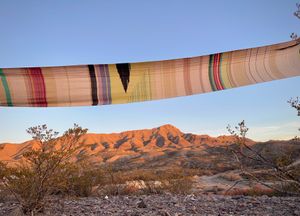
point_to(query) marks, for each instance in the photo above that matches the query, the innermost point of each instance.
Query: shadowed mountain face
(164, 146)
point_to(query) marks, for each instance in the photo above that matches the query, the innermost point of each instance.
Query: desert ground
(206, 179)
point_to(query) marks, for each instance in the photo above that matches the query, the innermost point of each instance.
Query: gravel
(166, 205)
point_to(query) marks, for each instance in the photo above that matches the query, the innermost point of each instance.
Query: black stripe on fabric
(108, 87)
(93, 84)
(124, 73)
(211, 73)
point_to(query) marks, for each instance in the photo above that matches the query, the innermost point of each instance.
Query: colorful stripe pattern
(5, 89)
(37, 85)
(103, 84)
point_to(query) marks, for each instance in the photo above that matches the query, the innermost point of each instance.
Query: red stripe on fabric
(219, 71)
(38, 87)
(216, 71)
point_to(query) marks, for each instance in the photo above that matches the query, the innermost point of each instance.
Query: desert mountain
(149, 148)
(147, 140)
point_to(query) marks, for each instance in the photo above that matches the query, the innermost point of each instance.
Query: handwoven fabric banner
(85, 85)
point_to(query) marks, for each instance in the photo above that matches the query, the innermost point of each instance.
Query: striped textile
(85, 85)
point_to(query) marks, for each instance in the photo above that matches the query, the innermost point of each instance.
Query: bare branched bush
(38, 174)
(297, 12)
(294, 36)
(279, 169)
(295, 103)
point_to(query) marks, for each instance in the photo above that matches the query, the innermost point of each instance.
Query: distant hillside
(163, 146)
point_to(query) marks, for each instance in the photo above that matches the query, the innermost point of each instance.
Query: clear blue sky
(44, 33)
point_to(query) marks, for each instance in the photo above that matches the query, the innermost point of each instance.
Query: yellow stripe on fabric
(51, 87)
(159, 81)
(141, 90)
(118, 94)
(167, 80)
(134, 91)
(140, 84)
(154, 69)
(225, 71)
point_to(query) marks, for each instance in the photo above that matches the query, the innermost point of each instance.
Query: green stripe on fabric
(6, 88)
(211, 72)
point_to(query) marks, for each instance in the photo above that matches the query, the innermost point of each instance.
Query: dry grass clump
(256, 190)
(145, 182)
(231, 176)
(181, 186)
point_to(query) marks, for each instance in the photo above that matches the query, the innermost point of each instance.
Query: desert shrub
(286, 186)
(278, 168)
(5, 194)
(37, 176)
(180, 186)
(78, 179)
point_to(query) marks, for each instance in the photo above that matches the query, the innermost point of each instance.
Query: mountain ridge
(165, 144)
